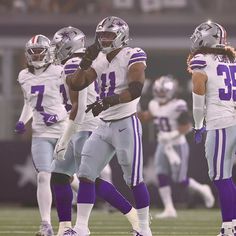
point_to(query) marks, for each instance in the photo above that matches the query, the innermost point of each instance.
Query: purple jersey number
(108, 83)
(227, 93)
(65, 98)
(40, 90)
(163, 124)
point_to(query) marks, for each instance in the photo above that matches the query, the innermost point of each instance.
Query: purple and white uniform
(120, 131)
(42, 92)
(220, 112)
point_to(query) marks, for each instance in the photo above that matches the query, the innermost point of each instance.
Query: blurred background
(161, 27)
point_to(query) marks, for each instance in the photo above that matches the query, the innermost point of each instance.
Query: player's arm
(199, 80)
(26, 115)
(85, 74)
(136, 78)
(145, 116)
(184, 123)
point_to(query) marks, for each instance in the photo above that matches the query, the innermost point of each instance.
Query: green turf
(197, 222)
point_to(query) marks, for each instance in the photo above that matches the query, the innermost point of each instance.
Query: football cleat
(142, 233)
(208, 197)
(76, 232)
(167, 213)
(226, 232)
(45, 229)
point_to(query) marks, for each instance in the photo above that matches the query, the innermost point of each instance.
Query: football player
(69, 49)
(171, 117)
(213, 68)
(40, 83)
(120, 71)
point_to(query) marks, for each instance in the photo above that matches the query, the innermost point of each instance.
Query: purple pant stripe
(139, 151)
(134, 158)
(216, 152)
(222, 154)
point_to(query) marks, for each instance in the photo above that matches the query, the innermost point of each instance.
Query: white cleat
(76, 232)
(208, 197)
(226, 232)
(45, 229)
(147, 232)
(167, 213)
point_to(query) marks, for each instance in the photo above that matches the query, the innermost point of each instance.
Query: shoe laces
(69, 232)
(136, 233)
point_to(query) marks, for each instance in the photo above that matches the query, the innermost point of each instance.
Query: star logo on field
(27, 173)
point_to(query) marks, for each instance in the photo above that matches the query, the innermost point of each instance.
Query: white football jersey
(220, 89)
(84, 121)
(42, 93)
(165, 116)
(112, 79)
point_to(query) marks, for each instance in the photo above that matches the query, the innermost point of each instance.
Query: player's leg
(202, 189)
(163, 171)
(42, 152)
(62, 179)
(129, 152)
(219, 151)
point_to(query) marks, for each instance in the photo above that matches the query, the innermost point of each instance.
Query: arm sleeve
(198, 110)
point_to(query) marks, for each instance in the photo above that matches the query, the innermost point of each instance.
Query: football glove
(198, 133)
(20, 127)
(102, 105)
(90, 54)
(49, 119)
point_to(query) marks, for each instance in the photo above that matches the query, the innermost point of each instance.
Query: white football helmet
(208, 34)
(37, 51)
(164, 88)
(67, 41)
(117, 26)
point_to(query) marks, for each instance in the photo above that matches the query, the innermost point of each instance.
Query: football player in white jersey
(40, 83)
(213, 68)
(69, 49)
(170, 115)
(120, 72)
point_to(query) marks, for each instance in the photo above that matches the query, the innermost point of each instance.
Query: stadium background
(161, 27)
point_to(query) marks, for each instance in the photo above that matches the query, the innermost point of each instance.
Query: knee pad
(58, 178)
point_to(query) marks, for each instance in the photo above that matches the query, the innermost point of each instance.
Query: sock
(142, 201)
(75, 183)
(63, 198)
(85, 202)
(132, 217)
(44, 195)
(63, 226)
(226, 198)
(234, 199)
(166, 197)
(110, 194)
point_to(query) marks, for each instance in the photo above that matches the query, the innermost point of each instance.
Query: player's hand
(20, 127)
(90, 54)
(49, 119)
(60, 150)
(102, 105)
(198, 133)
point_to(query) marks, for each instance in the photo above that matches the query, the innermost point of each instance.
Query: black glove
(90, 54)
(102, 105)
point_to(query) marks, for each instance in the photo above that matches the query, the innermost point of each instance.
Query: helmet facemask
(114, 25)
(208, 34)
(37, 51)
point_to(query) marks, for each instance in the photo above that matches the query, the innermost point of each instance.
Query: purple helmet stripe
(222, 154)
(216, 153)
(71, 66)
(137, 60)
(139, 54)
(198, 62)
(69, 71)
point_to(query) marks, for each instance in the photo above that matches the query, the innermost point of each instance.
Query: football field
(195, 222)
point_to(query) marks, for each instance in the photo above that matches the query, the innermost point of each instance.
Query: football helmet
(67, 41)
(114, 25)
(37, 51)
(208, 34)
(164, 89)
